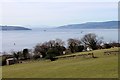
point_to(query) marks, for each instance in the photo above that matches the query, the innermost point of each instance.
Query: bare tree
(74, 42)
(91, 40)
(74, 45)
(41, 49)
(59, 42)
(50, 43)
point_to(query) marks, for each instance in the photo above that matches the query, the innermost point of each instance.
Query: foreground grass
(105, 66)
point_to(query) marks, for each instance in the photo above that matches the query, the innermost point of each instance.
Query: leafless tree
(41, 49)
(91, 40)
(74, 42)
(74, 45)
(59, 42)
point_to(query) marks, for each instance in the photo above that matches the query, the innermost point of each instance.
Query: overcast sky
(33, 13)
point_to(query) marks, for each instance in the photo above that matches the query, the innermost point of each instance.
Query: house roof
(11, 59)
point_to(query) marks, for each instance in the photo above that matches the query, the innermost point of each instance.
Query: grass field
(105, 66)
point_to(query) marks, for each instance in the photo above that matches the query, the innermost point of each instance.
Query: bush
(80, 48)
(4, 61)
(26, 54)
(51, 53)
(49, 56)
(107, 46)
(76, 48)
(114, 44)
(36, 57)
(68, 51)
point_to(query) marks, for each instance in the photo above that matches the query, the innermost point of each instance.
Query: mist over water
(18, 40)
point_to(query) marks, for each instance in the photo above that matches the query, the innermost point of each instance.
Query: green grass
(105, 66)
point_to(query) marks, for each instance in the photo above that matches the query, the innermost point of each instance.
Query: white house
(10, 61)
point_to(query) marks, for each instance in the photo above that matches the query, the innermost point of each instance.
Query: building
(10, 61)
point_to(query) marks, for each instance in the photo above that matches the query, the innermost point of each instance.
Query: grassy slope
(105, 66)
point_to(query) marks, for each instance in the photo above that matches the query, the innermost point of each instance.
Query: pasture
(103, 66)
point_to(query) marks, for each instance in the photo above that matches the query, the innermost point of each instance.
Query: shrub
(107, 46)
(114, 44)
(36, 56)
(80, 48)
(4, 61)
(26, 54)
(51, 53)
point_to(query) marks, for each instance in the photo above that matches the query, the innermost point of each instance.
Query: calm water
(28, 39)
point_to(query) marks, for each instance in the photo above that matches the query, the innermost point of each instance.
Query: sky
(54, 13)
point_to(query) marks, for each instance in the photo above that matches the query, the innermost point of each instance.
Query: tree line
(53, 48)
(57, 47)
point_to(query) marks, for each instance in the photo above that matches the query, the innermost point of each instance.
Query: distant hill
(92, 25)
(13, 28)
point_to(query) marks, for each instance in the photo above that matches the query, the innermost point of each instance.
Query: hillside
(13, 28)
(92, 25)
(104, 66)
